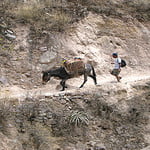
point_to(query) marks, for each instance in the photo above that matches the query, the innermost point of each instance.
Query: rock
(99, 146)
(48, 57)
(43, 49)
(10, 35)
(9, 144)
(146, 148)
(3, 80)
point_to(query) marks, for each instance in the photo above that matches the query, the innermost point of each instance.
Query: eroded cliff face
(109, 116)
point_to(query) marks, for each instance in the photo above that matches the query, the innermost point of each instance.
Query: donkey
(63, 75)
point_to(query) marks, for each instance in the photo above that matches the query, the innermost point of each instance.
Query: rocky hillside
(36, 36)
(109, 117)
(26, 51)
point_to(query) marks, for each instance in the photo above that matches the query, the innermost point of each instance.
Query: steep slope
(94, 39)
(108, 116)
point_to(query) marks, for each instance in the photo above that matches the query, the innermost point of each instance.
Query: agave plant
(79, 118)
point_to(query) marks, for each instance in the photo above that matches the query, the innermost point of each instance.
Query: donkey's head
(45, 77)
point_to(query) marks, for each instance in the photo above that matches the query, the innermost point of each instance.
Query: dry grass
(57, 15)
(28, 13)
(117, 28)
(42, 15)
(42, 18)
(59, 21)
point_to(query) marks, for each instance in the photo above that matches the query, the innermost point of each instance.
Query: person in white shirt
(117, 66)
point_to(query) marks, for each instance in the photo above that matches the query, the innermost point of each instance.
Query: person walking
(117, 67)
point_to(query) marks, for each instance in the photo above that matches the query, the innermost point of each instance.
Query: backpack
(123, 63)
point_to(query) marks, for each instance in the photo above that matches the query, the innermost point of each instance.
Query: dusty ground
(94, 39)
(53, 87)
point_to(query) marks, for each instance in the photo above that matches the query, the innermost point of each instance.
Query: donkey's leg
(94, 78)
(62, 83)
(85, 79)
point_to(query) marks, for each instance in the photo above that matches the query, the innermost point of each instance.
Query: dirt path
(53, 88)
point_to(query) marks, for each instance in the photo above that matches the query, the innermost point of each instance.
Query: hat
(115, 54)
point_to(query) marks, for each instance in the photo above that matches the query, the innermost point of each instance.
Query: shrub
(28, 12)
(5, 109)
(60, 21)
(78, 118)
(42, 17)
(6, 112)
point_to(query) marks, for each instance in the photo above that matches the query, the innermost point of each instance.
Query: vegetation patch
(78, 118)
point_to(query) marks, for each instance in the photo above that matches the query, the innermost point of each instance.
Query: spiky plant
(79, 118)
